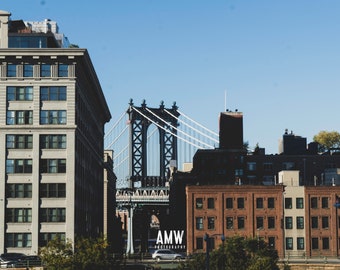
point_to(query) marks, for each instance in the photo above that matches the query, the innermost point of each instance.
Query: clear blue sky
(278, 61)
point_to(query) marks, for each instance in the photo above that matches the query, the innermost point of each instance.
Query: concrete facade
(52, 117)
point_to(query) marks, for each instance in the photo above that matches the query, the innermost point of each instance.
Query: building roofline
(55, 52)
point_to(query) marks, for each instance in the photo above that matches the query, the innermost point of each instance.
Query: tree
(57, 254)
(327, 140)
(239, 253)
(88, 254)
(92, 254)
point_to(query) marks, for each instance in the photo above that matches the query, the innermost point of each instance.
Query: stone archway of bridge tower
(159, 220)
(153, 151)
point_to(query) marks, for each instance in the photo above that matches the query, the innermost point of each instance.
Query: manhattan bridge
(148, 144)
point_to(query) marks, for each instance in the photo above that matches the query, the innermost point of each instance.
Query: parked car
(167, 254)
(29, 261)
(9, 260)
(6, 263)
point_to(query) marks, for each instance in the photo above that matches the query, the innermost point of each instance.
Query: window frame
(12, 70)
(288, 223)
(199, 223)
(288, 203)
(299, 203)
(53, 93)
(229, 223)
(300, 222)
(199, 203)
(259, 203)
(271, 222)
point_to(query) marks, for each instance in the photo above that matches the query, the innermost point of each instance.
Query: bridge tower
(140, 118)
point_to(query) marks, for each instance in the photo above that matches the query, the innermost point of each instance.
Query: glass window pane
(11, 70)
(28, 70)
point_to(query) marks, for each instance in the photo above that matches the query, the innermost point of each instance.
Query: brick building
(248, 211)
(298, 221)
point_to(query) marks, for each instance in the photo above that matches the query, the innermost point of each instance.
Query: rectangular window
(288, 165)
(300, 222)
(199, 223)
(229, 203)
(289, 243)
(19, 141)
(18, 215)
(268, 167)
(325, 243)
(19, 118)
(54, 93)
(300, 243)
(211, 223)
(315, 243)
(19, 240)
(199, 203)
(271, 203)
(28, 70)
(288, 203)
(53, 141)
(324, 202)
(230, 223)
(299, 203)
(315, 222)
(271, 222)
(259, 203)
(53, 165)
(52, 214)
(240, 203)
(271, 242)
(11, 70)
(251, 166)
(240, 222)
(53, 117)
(289, 222)
(211, 203)
(18, 166)
(314, 202)
(62, 70)
(259, 223)
(19, 191)
(199, 243)
(45, 70)
(44, 238)
(57, 190)
(325, 222)
(19, 93)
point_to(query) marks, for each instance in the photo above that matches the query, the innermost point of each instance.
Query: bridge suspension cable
(117, 138)
(214, 133)
(178, 130)
(191, 127)
(190, 134)
(165, 128)
(114, 126)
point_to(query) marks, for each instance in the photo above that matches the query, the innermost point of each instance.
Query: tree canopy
(327, 140)
(87, 254)
(238, 253)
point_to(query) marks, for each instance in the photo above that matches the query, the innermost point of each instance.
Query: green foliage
(327, 140)
(87, 254)
(196, 262)
(57, 254)
(238, 253)
(92, 253)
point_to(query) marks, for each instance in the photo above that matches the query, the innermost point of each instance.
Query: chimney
(231, 130)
